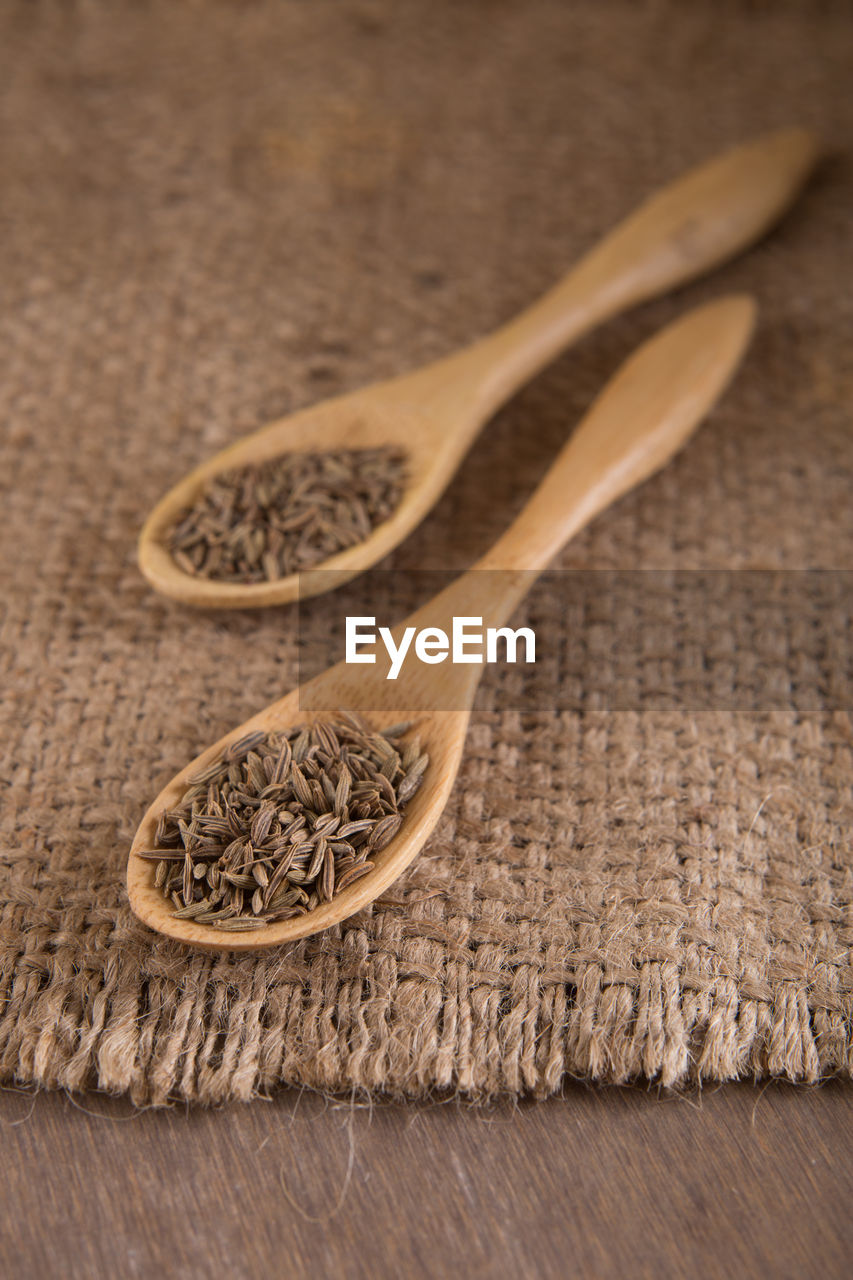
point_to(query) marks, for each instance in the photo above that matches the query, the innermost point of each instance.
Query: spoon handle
(642, 417)
(645, 413)
(692, 225)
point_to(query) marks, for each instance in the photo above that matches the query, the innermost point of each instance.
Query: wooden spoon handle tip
(645, 413)
(689, 227)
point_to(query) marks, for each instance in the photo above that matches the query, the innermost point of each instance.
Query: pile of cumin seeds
(266, 521)
(282, 822)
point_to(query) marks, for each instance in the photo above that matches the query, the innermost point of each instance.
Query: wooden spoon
(638, 422)
(435, 413)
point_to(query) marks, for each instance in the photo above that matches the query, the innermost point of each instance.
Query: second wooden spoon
(688, 228)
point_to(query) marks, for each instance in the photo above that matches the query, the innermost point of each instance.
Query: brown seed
(342, 790)
(183, 561)
(239, 880)
(262, 822)
(327, 883)
(397, 730)
(317, 860)
(233, 854)
(353, 828)
(187, 888)
(384, 832)
(215, 826)
(279, 873)
(390, 766)
(385, 788)
(241, 748)
(300, 786)
(413, 779)
(296, 826)
(194, 909)
(237, 925)
(327, 738)
(327, 825)
(207, 774)
(355, 873)
(207, 917)
(285, 898)
(257, 776)
(282, 766)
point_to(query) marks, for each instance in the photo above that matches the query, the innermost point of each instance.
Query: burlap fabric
(214, 213)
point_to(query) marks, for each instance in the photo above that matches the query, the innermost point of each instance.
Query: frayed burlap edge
(208, 1047)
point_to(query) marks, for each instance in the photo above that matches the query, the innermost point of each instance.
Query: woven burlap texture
(216, 213)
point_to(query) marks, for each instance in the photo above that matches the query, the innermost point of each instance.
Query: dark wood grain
(623, 1183)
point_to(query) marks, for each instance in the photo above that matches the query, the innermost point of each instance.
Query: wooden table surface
(733, 1182)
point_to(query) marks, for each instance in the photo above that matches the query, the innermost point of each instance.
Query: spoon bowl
(400, 412)
(433, 414)
(643, 416)
(442, 736)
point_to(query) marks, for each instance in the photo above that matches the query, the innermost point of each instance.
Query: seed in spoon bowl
(281, 822)
(271, 519)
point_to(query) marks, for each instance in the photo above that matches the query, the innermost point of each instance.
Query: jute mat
(214, 213)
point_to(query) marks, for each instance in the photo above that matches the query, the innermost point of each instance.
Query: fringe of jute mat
(660, 901)
(214, 225)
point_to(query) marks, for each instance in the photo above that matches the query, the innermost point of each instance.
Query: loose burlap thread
(214, 214)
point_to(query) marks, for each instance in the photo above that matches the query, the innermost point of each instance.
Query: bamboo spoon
(641, 418)
(434, 413)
